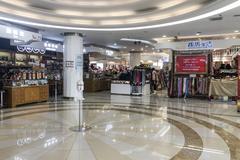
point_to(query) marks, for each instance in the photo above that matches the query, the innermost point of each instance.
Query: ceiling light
(198, 34)
(81, 21)
(136, 40)
(227, 38)
(115, 44)
(170, 4)
(16, 3)
(111, 22)
(234, 37)
(164, 36)
(95, 3)
(236, 31)
(195, 18)
(95, 14)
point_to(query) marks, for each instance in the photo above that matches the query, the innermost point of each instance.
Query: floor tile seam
(209, 116)
(208, 119)
(195, 127)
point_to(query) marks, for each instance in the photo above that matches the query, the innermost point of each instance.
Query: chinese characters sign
(191, 64)
(200, 45)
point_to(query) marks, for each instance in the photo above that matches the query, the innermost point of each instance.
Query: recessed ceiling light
(236, 31)
(198, 34)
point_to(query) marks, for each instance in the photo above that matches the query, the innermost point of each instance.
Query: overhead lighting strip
(202, 16)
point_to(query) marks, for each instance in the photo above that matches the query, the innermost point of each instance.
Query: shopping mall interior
(119, 79)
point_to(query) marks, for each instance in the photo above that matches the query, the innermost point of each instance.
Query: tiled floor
(123, 128)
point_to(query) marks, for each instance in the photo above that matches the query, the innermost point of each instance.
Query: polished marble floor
(123, 128)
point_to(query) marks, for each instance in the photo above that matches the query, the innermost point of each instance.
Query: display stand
(81, 127)
(190, 75)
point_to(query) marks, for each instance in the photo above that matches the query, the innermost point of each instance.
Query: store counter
(223, 87)
(125, 88)
(96, 85)
(121, 87)
(25, 95)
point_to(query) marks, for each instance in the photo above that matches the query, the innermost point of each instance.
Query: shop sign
(79, 62)
(69, 64)
(30, 50)
(51, 46)
(191, 64)
(200, 45)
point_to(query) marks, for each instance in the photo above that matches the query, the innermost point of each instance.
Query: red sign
(191, 64)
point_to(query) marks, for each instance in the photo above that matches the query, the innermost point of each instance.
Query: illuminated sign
(200, 45)
(30, 50)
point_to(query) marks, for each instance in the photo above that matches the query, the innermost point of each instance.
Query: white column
(73, 64)
(135, 59)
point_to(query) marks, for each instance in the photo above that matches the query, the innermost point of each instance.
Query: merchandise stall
(191, 74)
(24, 79)
(135, 82)
(224, 79)
(28, 74)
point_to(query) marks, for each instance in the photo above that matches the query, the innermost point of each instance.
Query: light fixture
(115, 44)
(236, 31)
(136, 40)
(164, 36)
(223, 9)
(198, 33)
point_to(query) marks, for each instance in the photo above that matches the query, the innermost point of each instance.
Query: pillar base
(80, 128)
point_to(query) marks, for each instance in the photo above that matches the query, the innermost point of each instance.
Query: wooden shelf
(25, 95)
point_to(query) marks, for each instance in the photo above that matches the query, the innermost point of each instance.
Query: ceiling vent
(219, 18)
(41, 7)
(146, 10)
(236, 15)
(205, 2)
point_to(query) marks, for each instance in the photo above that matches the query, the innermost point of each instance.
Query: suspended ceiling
(139, 19)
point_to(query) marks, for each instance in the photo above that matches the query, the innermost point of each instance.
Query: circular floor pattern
(135, 131)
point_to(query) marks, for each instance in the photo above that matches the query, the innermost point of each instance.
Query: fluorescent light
(199, 17)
